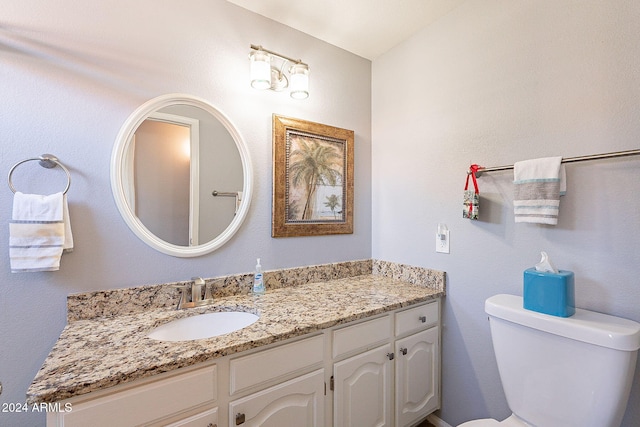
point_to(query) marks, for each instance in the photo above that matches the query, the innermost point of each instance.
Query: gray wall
(71, 74)
(494, 82)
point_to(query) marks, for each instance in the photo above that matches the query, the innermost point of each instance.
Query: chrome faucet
(196, 289)
(196, 294)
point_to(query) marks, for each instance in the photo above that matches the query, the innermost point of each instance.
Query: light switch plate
(442, 245)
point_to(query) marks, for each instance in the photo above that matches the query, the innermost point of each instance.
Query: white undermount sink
(203, 326)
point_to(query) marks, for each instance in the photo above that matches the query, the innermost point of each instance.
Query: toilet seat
(512, 421)
(485, 422)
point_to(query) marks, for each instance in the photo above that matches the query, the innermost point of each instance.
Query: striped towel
(538, 185)
(39, 231)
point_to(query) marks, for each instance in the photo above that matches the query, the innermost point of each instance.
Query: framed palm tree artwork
(312, 178)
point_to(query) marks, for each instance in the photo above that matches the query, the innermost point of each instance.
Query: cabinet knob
(390, 356)
(403, 351)
(423, 319)
(239, 419)
(212, 425)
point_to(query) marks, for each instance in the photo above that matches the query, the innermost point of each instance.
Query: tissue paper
(545, 264)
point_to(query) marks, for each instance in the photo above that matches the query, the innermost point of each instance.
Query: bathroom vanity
(344, 352)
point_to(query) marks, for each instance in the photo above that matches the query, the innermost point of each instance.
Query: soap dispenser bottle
(258, 284)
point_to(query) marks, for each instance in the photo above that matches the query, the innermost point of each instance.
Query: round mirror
(181, 175)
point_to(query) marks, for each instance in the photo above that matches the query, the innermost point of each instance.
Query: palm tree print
(313, 163)
(333, 201)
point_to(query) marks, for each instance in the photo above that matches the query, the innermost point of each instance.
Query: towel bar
(217, 193)
(46, 161)
(569, 160)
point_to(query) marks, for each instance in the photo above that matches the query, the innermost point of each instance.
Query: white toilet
(561, 372)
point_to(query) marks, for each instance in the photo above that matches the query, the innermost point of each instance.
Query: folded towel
(38, 232)
(538, 185)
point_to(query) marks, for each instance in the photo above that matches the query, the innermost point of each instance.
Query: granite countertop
(93, 354)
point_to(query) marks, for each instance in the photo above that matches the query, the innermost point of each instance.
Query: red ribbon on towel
(473, 169)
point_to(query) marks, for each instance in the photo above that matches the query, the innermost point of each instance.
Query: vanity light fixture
(266, 76)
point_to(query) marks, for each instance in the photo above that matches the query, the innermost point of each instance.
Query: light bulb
(299, 81)
(260, 69)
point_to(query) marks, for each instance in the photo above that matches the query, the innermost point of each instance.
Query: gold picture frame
(312, 178)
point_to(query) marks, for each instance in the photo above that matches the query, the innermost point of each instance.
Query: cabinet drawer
(361, 336)
(267, 365)
(206, 418)
(144, 404)
(417, 318)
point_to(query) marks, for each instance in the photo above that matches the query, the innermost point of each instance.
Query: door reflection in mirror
(162, 179)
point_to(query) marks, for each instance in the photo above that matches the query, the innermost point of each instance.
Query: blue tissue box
(550, 293)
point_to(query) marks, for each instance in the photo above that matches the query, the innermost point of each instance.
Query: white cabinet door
(417, 376)
(363, 389)
(295, 403)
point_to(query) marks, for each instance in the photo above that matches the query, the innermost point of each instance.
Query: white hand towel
(37, 232)
(538, 185)
(68, 237)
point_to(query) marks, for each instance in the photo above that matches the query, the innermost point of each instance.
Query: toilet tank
(563, 372)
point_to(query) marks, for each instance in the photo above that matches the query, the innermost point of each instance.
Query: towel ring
(46, 161)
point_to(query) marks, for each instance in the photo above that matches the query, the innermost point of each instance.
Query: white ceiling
(367, 28)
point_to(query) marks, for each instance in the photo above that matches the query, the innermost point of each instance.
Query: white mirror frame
(118, 181)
